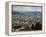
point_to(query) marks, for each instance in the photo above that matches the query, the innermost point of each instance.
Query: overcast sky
(26, 9)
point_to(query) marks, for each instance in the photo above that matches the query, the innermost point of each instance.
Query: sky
(26, 9)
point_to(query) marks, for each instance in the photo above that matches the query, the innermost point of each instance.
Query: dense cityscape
(28, 21)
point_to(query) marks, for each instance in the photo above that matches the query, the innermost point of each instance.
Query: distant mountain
(19, 13)
(34, 13)
(26, 13)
